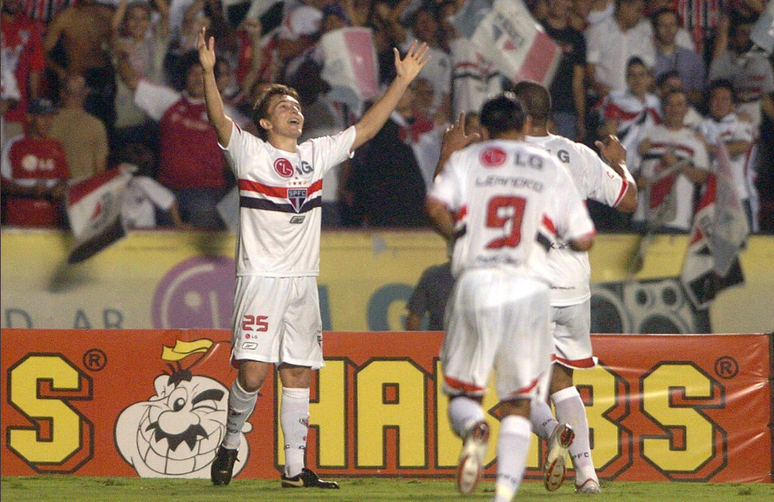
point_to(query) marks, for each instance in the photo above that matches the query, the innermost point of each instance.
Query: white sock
(463, 413)
(543, 421)
(294, 420)
(240, 406)
(570, 409)
(512, 446)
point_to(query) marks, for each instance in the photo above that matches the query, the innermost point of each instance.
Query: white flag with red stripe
(350, 66)
(719, 231)
(94, 211)
(505, 33)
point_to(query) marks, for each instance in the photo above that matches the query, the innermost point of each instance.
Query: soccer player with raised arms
(276, 306)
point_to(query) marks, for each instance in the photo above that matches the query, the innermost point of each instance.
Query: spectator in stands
(723, 124)
(568, 90)
(628, 113)
(386, 188)
(670, 56)
(84, 34)
(190, 162)
(750, 72)
(34, 173)
(22, 55)
(46, 10)
(674, 162)
(430, 297)
(144, 195)
(144, 46)
(425, 27)
(81, 134)
(611, 43)
(9, 98)
(474, 78)
(672, 81)
(298, 33)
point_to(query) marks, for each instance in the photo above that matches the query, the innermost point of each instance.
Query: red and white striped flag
(505, 33)
(94, 211)
(719, 231)
(350, 66)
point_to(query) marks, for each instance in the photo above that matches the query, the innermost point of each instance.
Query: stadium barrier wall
(171, 280)
(153, 404)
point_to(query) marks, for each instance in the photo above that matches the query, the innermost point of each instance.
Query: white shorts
(496, 320)
(277, 320)
(571, 326)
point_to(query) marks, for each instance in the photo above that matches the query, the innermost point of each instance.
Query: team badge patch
(492, 157)
(297, 197)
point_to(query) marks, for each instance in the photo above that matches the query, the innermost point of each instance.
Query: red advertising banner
(152, 403)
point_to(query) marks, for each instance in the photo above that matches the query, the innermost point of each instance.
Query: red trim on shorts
(524, 390)
(576, 363)
(461, 386)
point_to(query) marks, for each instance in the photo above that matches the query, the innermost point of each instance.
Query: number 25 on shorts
(255, 323)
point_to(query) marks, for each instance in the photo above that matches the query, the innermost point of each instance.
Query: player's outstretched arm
(614, 153)
(407, 70)
(215, 110)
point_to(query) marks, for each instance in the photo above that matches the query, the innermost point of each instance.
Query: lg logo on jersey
(285, 168)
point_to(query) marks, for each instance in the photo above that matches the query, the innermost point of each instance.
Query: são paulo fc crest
(492, 157)
(297, 197)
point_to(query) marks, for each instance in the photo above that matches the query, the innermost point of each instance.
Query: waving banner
(505, 33)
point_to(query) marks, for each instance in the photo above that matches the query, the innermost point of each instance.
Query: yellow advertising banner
(170, 279)
(153, 403)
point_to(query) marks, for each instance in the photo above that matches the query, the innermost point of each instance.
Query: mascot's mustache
(190, 436)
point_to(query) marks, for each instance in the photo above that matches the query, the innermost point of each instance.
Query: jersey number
(504, 212)
(255, 323)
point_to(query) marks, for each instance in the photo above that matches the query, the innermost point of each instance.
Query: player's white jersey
(280, 201)
(503, 191)
(571, 271)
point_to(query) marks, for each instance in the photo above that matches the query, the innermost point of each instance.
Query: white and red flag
(505, 33)
(718, 233)
(94, 211)
(350, 66)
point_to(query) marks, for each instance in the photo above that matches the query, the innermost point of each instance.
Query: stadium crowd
(89, 84)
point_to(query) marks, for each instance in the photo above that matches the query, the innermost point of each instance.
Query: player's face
(285, 117)
(721, 102)
(137, 22)
(666, 28)
(194, 82)
(638, 78)
(675, 108)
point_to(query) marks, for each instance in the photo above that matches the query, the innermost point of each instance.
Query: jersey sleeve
(242, 146)
(603, 184)
(447, 186)
(335, 149)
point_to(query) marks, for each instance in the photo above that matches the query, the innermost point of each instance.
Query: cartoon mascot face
(177, 432)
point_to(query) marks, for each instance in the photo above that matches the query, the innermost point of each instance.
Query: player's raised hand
(416, 58)
(206, 51)
(612, 150)
(455, 137)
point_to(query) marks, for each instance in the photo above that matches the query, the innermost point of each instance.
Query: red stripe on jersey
(462, 386)
(676, 147)
(549, 224)
(270, 191)
(461, 214)
(615, 112)
(576, 363)
(621, 194)
(85, 187)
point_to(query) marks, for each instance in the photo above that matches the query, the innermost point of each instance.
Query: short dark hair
(502, 114)
(188, 61)
(664, 10)
(661, 80)
(536, 99)
(635, 60)
(261, 108)
(721, 83)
